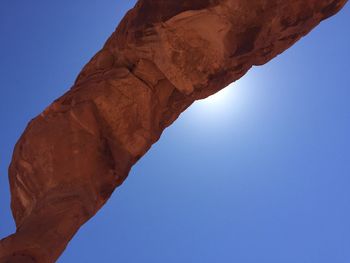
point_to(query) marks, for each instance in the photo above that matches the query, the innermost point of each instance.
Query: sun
(221, 102)
(229, 106)
(219, 98)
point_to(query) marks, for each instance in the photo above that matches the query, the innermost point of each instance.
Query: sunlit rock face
(163, 56)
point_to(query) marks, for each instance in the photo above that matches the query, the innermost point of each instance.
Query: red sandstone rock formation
(163, 56)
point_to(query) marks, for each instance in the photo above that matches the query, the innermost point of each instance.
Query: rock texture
(163, 56)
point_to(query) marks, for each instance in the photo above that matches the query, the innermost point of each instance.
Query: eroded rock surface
(163, 56)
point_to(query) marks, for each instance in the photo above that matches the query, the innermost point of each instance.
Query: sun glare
(218, 98)
(222, 102)
(230, 105)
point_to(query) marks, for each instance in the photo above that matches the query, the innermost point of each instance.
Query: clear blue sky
(260, 174)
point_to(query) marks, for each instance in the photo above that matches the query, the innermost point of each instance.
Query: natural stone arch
(163, 56)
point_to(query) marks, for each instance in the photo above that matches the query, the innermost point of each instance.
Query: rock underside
(162, 57)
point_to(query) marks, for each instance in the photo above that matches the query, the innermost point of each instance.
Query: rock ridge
(162, 57)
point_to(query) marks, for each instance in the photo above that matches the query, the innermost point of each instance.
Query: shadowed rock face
(163, 56)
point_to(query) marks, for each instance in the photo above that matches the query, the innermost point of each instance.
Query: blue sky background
(258, 174)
